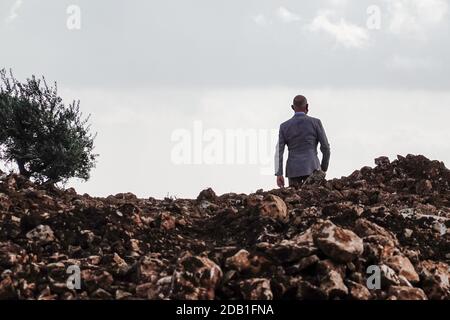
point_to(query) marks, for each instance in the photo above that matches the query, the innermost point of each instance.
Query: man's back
(302, 134)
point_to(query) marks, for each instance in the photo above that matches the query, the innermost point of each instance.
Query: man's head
(300, 104)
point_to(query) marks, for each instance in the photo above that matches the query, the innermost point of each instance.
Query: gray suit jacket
(301, 134)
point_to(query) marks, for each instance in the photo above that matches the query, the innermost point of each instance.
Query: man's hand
(280, 181)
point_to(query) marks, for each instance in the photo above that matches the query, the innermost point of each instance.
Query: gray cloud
(218, 43)
(14, 11)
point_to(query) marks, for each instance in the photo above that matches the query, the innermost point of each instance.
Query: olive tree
(48, 140)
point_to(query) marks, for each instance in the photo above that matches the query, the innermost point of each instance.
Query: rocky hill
(323, 241)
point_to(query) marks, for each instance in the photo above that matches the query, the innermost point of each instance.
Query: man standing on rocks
(301, 134)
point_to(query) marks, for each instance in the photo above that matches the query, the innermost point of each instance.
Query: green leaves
(48, 140)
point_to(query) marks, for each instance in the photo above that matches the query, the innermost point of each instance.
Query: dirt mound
(381, 233)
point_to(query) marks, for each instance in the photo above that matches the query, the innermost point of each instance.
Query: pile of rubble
(381, 233)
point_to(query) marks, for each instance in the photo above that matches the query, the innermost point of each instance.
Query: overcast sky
(375, 72)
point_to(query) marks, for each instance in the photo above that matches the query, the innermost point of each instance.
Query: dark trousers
(297, 182)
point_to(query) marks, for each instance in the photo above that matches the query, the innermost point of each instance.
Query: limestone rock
(406, 293)
(338, 243)
(382, 161)
(42, 234)
(436, 279)
(149, 268)
(195, 278)
(208, 195)
(388, 277)
(274, 207)
(358, 291)
(256, 289)
(240, 261)
(365, 228)
(303, 264)
(167, 221)
(315, 178)
(403, 267)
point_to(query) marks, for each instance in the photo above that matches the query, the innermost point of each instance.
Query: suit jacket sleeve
(324, 146)
(279, 153)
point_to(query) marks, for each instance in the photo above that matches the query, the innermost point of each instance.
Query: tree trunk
(22, 170)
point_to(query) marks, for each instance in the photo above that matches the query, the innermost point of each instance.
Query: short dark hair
(300, 101)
